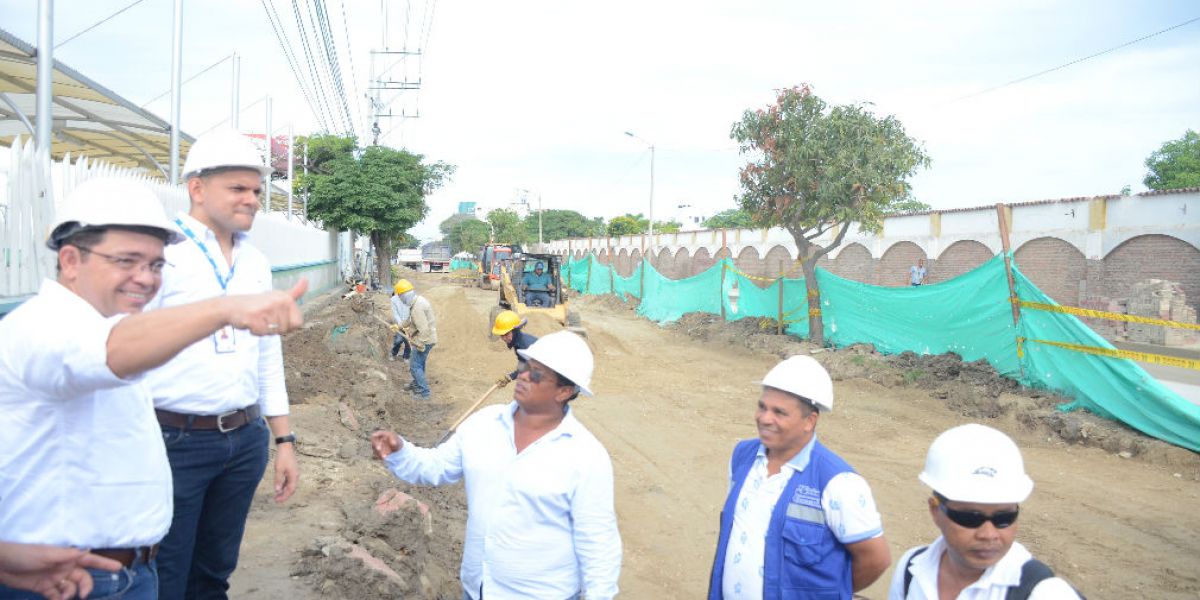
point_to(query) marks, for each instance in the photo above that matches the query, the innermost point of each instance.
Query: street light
(651, 145)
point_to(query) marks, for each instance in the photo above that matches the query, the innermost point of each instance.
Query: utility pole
(382, 81)
(176, 85)
(237, 88)
(539, 220)
(45, 79)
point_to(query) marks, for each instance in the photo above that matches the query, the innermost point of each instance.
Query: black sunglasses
(973, 519)
(535, 375)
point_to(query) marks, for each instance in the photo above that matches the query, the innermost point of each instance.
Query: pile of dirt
(972, 389)
(609, 301)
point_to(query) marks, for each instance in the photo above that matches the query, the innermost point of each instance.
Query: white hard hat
(223, 148)
(564, 353)
(805, 377)
(975, 463)
(109, 202)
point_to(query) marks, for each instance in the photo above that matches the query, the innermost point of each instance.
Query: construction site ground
(1113, 511)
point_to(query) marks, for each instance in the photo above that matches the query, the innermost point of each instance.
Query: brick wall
(664, 262)
(682, 264)
(1055, 266)
(624, 268)
(961, 257)
(895, 263)
(854, 262)
(748, 262)
(1153, 257)
(701, 261)
(778, 261)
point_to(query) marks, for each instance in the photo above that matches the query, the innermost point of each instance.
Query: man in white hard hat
(211, 399)
(978, 480)
(798, 521)
(83, 463)
(540, 520)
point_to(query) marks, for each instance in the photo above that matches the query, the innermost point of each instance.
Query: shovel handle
(463, 417)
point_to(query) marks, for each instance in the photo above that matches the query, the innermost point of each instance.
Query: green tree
(628, 224)
(507, 227)
(448, 225)
(733, 218)
(667, 226)
(322, 151)
(563, 224)
(813, 169)
(907, 205)
(378, 192)
(1176, 164)
(469, 235)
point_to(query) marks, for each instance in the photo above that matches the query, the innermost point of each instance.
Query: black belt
(224, 422)
(128, 557)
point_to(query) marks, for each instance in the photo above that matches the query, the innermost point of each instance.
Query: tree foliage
(1175, 165)
(907, 205)
(448, 225)
(563, 224)
(628, 224)
(507, 227)
(468, 235)
(733, 218)
(378, 191)
(814, 169)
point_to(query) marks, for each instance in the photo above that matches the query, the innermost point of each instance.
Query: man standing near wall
(211, 399)
(82, 459)
(798, 521)
(916, 273)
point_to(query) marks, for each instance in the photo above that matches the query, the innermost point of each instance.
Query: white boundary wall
(35, 191)
(1096, 226)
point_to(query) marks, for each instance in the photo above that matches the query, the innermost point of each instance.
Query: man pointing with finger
(211, 399)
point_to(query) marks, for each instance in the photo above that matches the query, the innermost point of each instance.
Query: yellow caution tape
(1158, 359)
(757, 278)
(1100, 314)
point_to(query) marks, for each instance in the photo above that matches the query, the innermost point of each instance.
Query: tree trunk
(808, 253)
(380, 243)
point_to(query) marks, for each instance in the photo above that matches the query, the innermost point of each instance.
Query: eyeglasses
(973, 519)
(128, 263)
(534, 376)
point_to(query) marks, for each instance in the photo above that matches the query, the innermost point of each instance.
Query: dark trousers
(399, 341)
(416, 366)
(215, 477)
(136, 583)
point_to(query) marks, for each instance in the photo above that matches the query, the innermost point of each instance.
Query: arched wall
(894, 265)
(1055, 266)
(853, 262)
(1153, 257)
(960, 257)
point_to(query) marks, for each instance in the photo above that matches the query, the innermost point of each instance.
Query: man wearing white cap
(798, 521)
(540, 518)
(82, 462)
(978, 480)
(210, 400)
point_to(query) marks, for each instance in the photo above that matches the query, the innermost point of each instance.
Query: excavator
(555, 303)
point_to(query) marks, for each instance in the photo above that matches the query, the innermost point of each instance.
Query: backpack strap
(1033, 572)
(907, 573)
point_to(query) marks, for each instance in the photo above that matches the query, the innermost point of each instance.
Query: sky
(538, 95)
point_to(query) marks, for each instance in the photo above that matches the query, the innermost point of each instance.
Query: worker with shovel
(510, 327)
(421, 330)
(400, 314)
(540, 518)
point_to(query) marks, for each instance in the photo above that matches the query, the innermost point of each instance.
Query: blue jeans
(215, 477)
(139, 582)
(416, 366)
(537, 298)
(398, 341)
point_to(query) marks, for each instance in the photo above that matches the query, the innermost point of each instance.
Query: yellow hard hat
(506, 321)
(402, 286)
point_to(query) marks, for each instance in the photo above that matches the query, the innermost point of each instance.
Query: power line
(286, 45)
(353, 74)
(101, 22)
(1076, 61)
(205, 70)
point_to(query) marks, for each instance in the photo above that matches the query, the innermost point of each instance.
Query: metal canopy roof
(88, 118)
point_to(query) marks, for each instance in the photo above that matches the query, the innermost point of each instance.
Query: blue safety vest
(803, 559)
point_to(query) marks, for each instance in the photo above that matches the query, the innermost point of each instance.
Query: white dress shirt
(992, 585)
(200, 380)
(540, 523)
(849, 507)
(82, 461)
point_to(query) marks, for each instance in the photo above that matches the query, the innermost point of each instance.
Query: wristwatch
(286, 439)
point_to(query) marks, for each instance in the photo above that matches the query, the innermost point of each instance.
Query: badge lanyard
(223, 339)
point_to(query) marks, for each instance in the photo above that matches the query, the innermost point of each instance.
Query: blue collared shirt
(540, 523)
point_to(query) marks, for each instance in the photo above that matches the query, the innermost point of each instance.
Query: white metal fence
(36, 189)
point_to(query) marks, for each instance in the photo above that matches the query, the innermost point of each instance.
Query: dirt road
(669, 408)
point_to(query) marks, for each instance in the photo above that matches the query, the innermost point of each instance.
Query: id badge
(224, 340)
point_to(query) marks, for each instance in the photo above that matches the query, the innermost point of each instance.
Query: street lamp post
(651, 145)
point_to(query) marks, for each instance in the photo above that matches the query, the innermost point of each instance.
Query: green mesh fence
(461, 263)
(969, 315)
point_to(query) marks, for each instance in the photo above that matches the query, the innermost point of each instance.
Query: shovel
(464, 416)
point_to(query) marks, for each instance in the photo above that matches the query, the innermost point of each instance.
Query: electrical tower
(391, 81)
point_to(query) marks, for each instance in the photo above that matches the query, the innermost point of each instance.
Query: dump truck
(493, 258)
